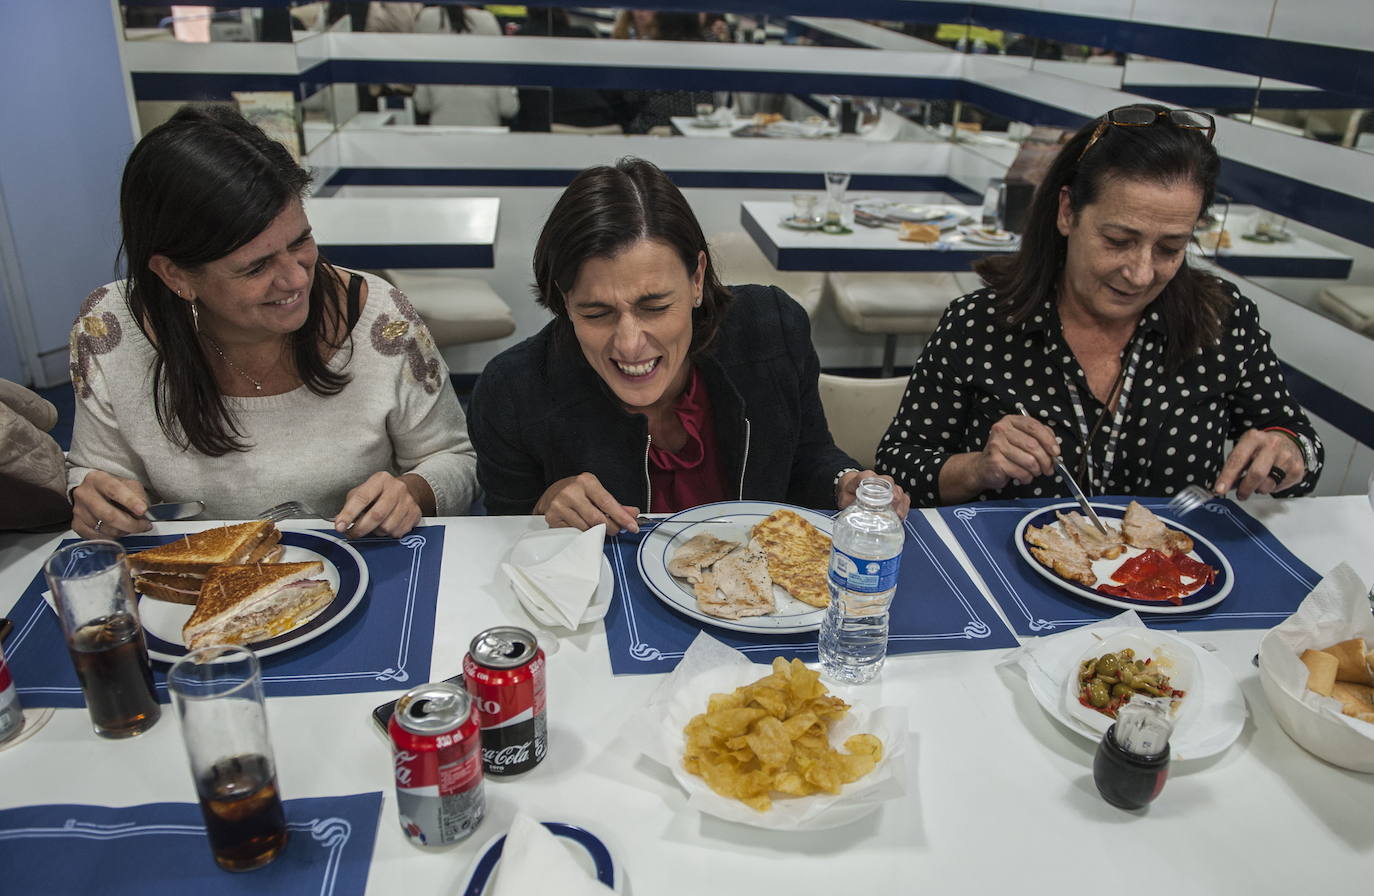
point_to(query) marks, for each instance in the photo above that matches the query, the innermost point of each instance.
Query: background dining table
(998, 796)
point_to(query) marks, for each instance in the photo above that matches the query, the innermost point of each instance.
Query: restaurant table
(879, 249)
(373, 233)
(998, 799)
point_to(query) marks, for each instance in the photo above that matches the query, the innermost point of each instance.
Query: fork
(1190, 498)
(289, 510)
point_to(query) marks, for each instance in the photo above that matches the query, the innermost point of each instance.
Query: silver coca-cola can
(436, 747)
(11, 716)
(504, 670)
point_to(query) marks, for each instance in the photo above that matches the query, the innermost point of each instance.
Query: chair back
(858, 410)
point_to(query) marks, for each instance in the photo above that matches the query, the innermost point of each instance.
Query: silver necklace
(257, 385)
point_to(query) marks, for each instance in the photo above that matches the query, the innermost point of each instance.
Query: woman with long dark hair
(654, 388)
(237, 367)
(1098, 343)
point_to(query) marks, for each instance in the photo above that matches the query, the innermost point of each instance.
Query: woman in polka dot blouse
(1098, 343)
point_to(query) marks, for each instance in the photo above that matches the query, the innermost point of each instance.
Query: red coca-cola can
(11, 716)
(436, 746)
(504, 670)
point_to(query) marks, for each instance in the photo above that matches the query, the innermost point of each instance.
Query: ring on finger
(1278, 474)
(98, 524)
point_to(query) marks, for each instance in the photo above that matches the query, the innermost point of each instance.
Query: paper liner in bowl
(1337, 609)
(710, 667)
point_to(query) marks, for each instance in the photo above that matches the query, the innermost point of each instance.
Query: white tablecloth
(1000, 799)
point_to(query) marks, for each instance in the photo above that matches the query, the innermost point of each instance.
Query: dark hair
(195, 189)
(1194, 304)
(607, 209)
(678, 26)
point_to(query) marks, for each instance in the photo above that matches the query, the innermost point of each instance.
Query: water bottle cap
(875, 492)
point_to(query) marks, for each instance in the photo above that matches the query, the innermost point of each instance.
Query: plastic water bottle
(864, 560)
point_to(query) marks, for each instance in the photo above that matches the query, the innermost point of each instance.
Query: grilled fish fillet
(742, 585)
(1097, 545)
(1142, 529)
(692, 559)
(1061, 553)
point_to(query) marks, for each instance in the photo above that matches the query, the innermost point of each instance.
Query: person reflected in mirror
(1096, 342)
(33, 482)
(237, 367)
(654, 388)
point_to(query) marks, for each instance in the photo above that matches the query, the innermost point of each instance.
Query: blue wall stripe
(188, 86)
(1339, 69)
(1211, 97)
(1346, 414)
(1329, 210)
(561, 177)
(359, 71)
(376, 257)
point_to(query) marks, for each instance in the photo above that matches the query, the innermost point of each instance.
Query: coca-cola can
(436, 747)
(11, 715)
(504, 670)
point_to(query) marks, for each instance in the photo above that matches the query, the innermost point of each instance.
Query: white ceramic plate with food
(344, 569)
(1208, 727)
(982, 237)
(1201, 598)
(1164, 654)
(532, 551)
(801, 223)
(731, 521)
(586, 848)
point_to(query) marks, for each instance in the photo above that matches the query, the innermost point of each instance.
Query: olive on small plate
(1116, 678)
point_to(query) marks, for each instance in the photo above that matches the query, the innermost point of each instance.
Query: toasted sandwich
(174, 571)
(251, 603)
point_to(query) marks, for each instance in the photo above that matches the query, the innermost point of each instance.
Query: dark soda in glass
(243, 812)
(111, 659)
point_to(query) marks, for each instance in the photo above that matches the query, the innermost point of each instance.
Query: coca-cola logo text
(489, 707)
(403, 770)
(515, 754)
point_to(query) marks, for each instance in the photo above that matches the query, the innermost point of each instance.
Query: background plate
(1204, 550)
(730, 520)
(344, 568)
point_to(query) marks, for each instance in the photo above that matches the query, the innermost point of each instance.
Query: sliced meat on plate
(1097, 545)
(1142, 529)
(692, 559)
(1060, 553)
(743, 586)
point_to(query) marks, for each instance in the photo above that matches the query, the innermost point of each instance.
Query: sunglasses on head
(1144, 116)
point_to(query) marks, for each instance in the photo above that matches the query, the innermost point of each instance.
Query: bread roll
(1321, 670)
(1357, 700)
(919, 233)
(1351, 656)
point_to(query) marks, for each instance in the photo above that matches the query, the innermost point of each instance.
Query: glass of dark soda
(99, 612)
(218, 696)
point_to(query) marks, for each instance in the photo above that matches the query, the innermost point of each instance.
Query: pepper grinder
(1132, 762)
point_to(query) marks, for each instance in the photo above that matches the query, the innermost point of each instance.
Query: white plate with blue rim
(731, 521)
(1200, 598)
(585, 847)
(344, 569)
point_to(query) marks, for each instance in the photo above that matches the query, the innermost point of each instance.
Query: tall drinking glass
(217, 692)
(95, 601)
(836, 183)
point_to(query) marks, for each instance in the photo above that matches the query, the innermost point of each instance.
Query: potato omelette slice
(798, 555)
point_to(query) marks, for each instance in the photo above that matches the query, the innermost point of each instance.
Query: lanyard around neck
(1095, 483)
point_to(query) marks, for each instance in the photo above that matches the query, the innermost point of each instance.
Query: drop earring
(195, 315)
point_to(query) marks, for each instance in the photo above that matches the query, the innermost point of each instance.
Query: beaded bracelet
(1304, 447)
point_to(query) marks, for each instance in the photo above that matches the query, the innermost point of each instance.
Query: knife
(1078, 494)
(182, 510)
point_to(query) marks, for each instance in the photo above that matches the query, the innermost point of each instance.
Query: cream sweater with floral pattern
(398, 414)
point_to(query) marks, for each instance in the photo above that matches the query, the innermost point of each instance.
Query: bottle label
(862, 574)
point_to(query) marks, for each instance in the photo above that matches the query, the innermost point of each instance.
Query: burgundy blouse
(693, 475)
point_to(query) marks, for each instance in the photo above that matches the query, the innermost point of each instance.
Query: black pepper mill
(1132, 762)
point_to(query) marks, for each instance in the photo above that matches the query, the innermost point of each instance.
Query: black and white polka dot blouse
(977, 368)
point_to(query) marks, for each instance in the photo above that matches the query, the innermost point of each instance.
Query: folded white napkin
(559, 571)
(533, 861)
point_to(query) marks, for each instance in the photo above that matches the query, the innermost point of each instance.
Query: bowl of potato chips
(771, 746)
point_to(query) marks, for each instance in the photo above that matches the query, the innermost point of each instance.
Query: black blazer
(540, 413)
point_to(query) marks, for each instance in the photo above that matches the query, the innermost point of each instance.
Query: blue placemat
(937, 607)
(159, 849)
(382, 645)
(1269, 581)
